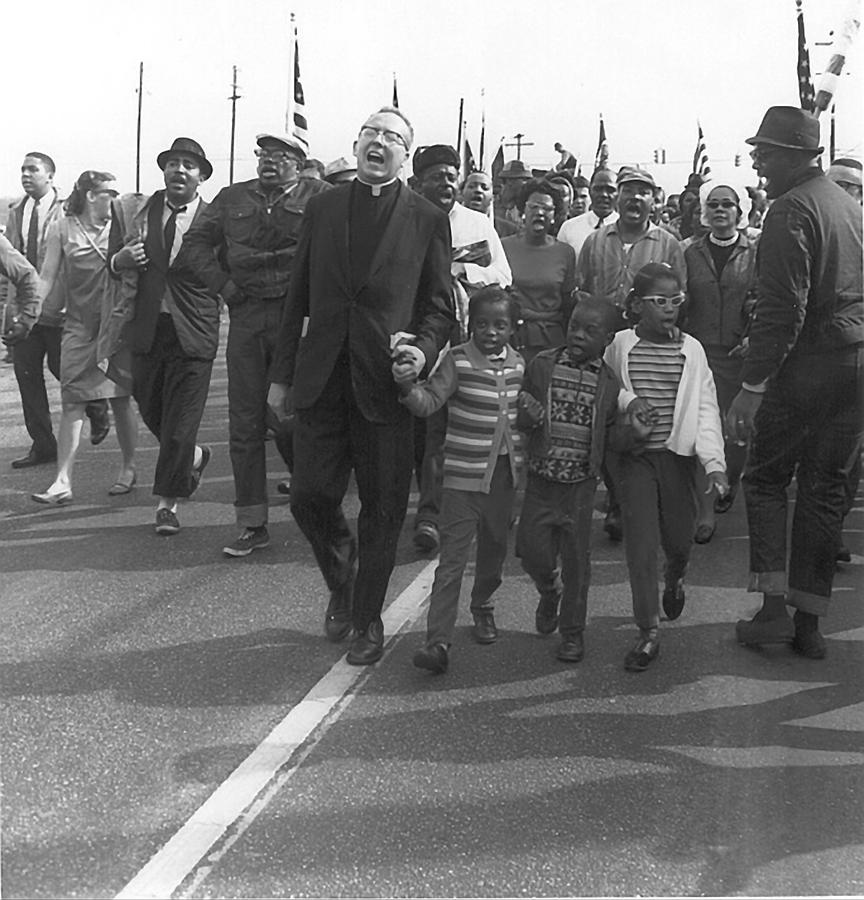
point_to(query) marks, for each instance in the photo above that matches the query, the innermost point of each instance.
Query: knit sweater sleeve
(428, 397)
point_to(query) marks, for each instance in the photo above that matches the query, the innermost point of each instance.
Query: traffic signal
(737, 159)
(656, 156)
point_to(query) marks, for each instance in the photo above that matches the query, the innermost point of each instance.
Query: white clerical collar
(377, 188)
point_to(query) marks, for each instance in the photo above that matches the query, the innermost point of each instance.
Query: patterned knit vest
(481, 419)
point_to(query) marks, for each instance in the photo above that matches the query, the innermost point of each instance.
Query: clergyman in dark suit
(372, 274)
(174, 330)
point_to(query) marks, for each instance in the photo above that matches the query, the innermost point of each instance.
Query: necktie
(171, 230)
(32, 250)
(599, 223)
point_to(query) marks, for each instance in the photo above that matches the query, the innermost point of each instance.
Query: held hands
(642, 416)
(131, 256)
(717, 481)
(15, 333)
(408, 360)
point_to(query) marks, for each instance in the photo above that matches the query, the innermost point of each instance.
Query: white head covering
(744, 202)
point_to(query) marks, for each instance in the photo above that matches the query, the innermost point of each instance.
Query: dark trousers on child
(555, 524)
(657, 510)
(464, 514)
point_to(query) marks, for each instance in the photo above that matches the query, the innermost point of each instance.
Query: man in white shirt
(604, 194)
(478, 260)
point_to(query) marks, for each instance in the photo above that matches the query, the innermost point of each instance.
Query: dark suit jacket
(195, 310)
(407, 289)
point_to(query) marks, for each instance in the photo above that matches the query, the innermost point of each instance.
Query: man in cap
(846, 172)
(801, 399)
(372, 276)
(174, 330)
(477, 260)
(612, 255)
(610, 258)
(26, 227)
(603, 193)
(513, 177)
(253, 228)
(339, 171)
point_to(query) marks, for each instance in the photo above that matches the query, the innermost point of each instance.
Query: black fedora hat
(789, 127)
(186, 147)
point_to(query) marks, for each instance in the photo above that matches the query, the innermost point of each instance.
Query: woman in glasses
(668, 369)
(544, 271)
(76, 254)
(721, 275)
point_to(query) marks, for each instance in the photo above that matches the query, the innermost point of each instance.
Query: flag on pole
(601, 158)
(805, 84)
(296, 119)
(831, 75)
(482, 127)
(468, 163)
(395, 103)
(701, 166)
(498, 160)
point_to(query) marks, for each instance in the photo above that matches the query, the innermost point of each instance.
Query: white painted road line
(233, 804)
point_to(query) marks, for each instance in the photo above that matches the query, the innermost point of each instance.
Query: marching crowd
(525, 335)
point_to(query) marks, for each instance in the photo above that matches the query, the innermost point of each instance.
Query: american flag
(498, 160)
(469, 164)
(296, 123)
(601, 158)
(701, 166)
(805, 83)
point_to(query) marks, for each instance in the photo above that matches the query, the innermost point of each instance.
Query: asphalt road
(159, 736)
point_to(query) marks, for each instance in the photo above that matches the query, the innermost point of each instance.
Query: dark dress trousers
(173, 352)
(366, 268)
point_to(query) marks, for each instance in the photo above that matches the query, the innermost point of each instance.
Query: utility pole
(233, 98)
(520, 144)
(138, 130)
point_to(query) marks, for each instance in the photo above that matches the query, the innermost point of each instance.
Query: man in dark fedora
(253, 228)
(512, 178)
(801, 401)
(174, 330)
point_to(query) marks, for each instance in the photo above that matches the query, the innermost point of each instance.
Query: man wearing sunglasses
(801, 399)
(372, 274)
(242, 247)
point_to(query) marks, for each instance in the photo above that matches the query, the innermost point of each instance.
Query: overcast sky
(548, 68)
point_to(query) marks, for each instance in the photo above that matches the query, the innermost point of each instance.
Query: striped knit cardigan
(481, 397)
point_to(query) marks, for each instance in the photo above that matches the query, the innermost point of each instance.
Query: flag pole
(289, 108)
(482, 124)
(459, 133)
(233, 98)
(138, 129)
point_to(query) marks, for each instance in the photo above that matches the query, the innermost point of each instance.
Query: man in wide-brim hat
(801, 401)
(174, 329)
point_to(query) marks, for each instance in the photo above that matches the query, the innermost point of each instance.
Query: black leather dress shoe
(368, 645)
(33, 459)
(337, 619)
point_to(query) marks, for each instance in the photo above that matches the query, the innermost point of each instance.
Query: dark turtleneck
(369, 213)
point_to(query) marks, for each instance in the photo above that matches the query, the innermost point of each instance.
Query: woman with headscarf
(721, 275)
(76, 254)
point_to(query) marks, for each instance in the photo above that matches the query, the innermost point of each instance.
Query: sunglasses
(721, 204)
(663, 302)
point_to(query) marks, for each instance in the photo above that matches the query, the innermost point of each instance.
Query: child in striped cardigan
(479, 381)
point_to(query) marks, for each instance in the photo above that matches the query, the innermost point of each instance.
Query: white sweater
(696, 426)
